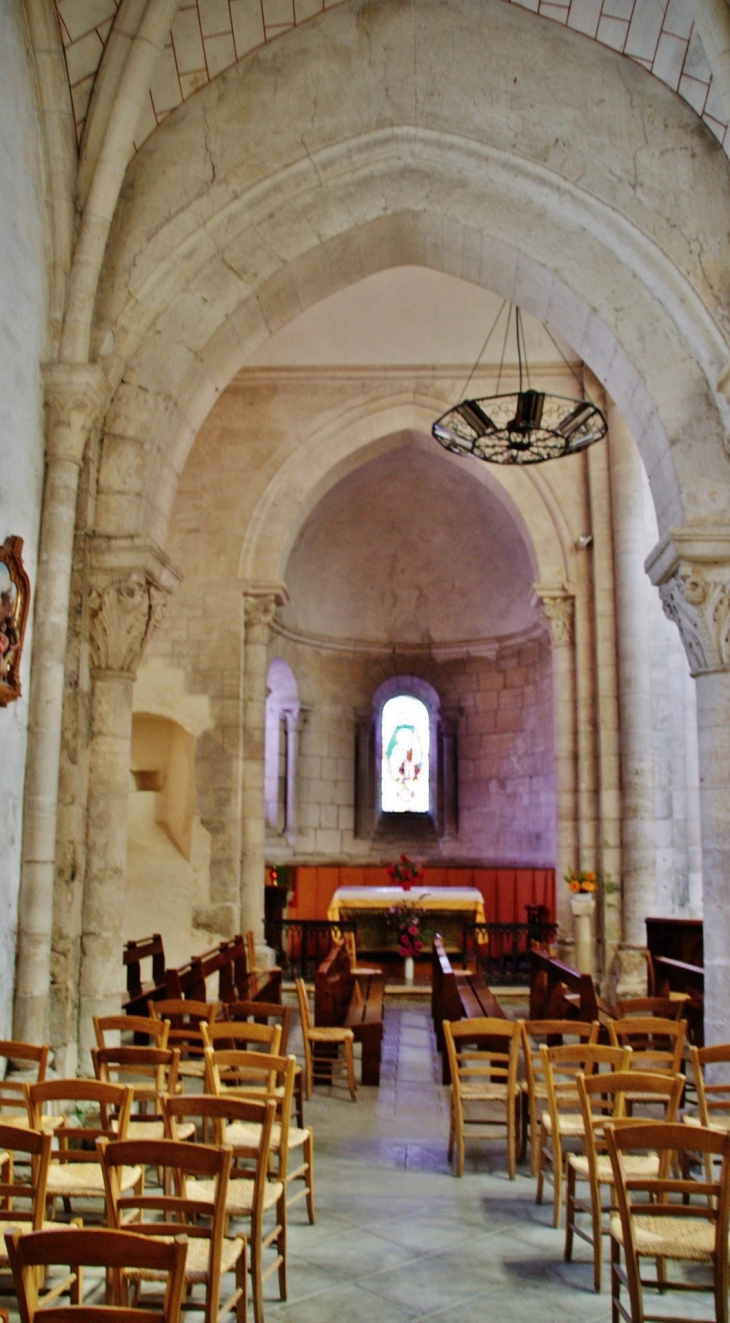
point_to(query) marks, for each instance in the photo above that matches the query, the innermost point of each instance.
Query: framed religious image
(14, 603)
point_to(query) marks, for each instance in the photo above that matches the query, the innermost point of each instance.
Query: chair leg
(535, 1140)
(242, 1287)
(299, 1098)
(615, 1281)
(452, 1131)
(512, 1104)
(309, 1159)
(540, 1173)
(350, 1062)
(569, 1212)
(308, 1050)
(557, 1150)
(281, 1243)
(257, 1281)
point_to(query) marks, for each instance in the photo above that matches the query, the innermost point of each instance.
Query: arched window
(405, 766)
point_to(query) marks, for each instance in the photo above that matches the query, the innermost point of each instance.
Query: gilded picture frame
(14, 606)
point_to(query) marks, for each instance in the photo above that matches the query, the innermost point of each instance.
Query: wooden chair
(562, 1121)
(656, 1044)
(483, 1059)
(533, 1088)
(109, 1028)
(365, 971)
(156, 1213)
(185, 1019)
(263, 1012)
(13, 1095)
(319, 1067)
(667, 1008)
(602, 1100)
(242, 1036)
(285, 1137)
(117, 1252)
(713, 1096)
(22, 1203)
(74, 1171)
(665, 1223)
(250, 1194)
(129, 1065)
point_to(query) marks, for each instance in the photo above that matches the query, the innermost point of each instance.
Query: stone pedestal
(583, 907)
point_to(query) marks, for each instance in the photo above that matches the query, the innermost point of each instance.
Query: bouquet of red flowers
(407, 923)
(405, 872)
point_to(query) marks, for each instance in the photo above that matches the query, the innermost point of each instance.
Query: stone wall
(505, 752)
(22, 349)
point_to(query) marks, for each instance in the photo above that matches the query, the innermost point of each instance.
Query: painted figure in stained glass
(405, 744)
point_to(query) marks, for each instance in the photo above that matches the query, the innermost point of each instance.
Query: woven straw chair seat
(196, 1263)
(486, 1092)
(193, 1069)
(85, 1179)
(721, 1127)
(330, 1035)
(239, 1198)
(155, 1129)
(49, 1124)
(636, 1164)
(670, 1237)
(247, 1134)
(570, 1123)
(23, 1227)
(539, 1091)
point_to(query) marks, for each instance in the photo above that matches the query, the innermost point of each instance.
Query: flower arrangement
(407, 923)
(581, 880)
(406, 872)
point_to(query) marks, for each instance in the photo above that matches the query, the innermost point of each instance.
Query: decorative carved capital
(131, 584)
(558, 607)
(692, 572)
(123, 616)
(259, 603)
(76, 398)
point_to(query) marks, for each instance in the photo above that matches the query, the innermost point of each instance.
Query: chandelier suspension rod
(483, 348)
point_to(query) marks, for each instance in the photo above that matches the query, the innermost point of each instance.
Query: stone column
(76, 396)
(635, 704)
(293, 719)
(558, 605)
(126, 601)
(692, 570)
(260, 603)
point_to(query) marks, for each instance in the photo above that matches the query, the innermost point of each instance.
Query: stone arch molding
(203, 269)
(342, 444)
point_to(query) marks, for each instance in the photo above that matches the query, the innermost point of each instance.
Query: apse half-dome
(409, 549)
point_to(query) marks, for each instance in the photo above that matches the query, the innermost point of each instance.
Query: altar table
(465, 900)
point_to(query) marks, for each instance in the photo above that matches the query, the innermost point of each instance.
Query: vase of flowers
(583, 886)
(407, 923)
(405, 872)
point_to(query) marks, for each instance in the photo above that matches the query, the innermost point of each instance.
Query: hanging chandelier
(522, 427)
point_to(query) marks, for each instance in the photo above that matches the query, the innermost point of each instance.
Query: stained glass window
(404, 776)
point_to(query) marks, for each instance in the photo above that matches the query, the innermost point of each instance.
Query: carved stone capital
(131, 582)
(259, 603)
(691, 569)
(558, 608)
(76, 398)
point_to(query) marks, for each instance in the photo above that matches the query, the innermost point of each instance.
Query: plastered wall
(22, 336)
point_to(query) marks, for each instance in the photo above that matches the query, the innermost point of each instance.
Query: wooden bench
(354, 1001)
(559, 992)
(675, 960)
(139, 992)
(229, 961)
(457, 995)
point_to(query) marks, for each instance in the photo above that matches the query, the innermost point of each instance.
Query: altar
(442, 910)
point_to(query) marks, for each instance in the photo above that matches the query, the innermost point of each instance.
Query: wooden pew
(675, 960)
(139, 992)
(228, 960)
(355, 1001)
(559, 992)
(457, 995)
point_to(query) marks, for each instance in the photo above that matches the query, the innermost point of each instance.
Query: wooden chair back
(163, 1214)
(667, 1008)
(603, 1098)
(482, 1050)
(26, 1199)
(303, 1002)
(551, 1033)
(107, 1027)
(151, 1071)
(262, 1012)
(12, 1092)
(254, 1118)
(561, 1066)
(656, 1044)
(251, 951)
(76, 1142)
(242, 1035)
(113, 1251)
(185, 1019)
(238, 1071)
(713, 1093)
(665, 1197)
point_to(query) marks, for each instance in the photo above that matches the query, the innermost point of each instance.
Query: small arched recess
(440, 819)
(281, 748)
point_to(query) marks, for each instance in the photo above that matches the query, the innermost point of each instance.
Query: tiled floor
(397, 1237)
